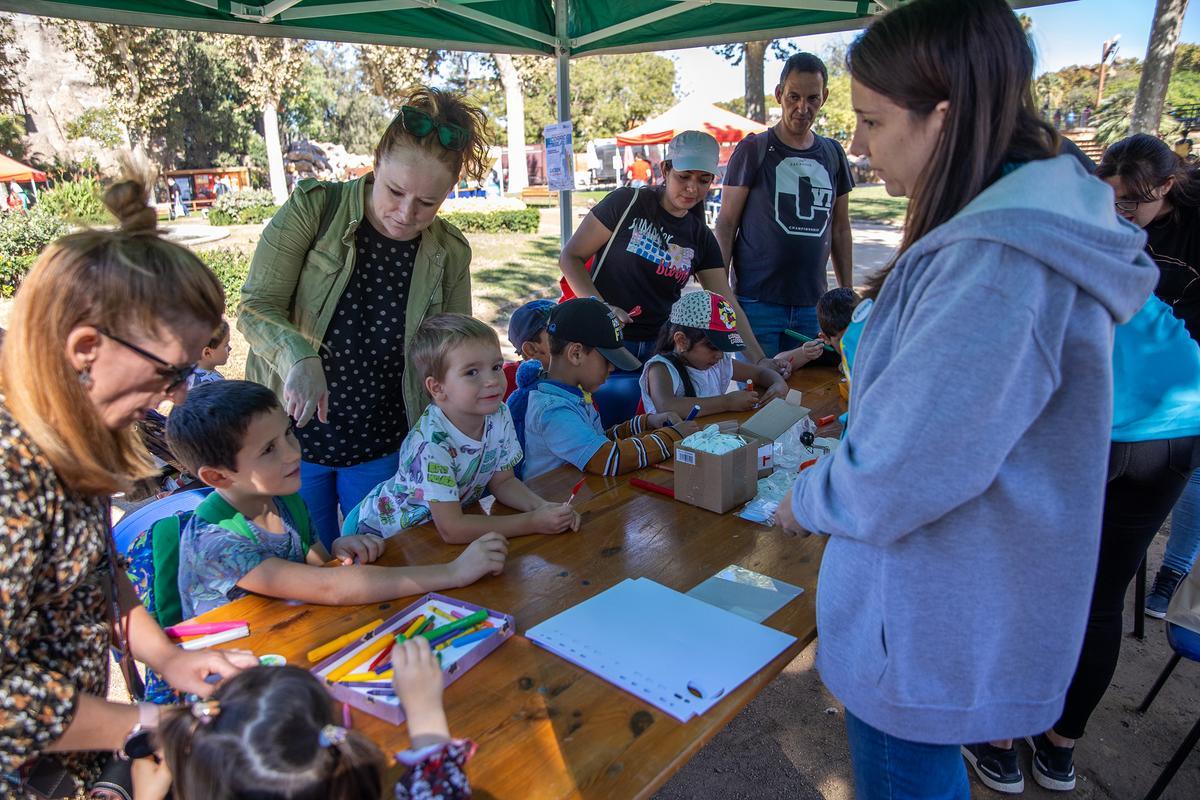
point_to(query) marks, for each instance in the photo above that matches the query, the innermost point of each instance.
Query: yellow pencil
(361, 657)
(329, 648)
(367, 677)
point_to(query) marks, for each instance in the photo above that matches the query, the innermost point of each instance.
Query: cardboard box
(721, 482)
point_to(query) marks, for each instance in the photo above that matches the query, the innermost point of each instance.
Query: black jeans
(1144, 481)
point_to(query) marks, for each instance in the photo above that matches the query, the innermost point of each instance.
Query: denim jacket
(297, 277)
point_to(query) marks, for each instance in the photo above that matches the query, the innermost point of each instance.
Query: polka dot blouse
(363, 357)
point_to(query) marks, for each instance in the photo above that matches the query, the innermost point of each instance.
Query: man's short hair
(209, 427)
(804, 62)
(834, 310)
(440, 334)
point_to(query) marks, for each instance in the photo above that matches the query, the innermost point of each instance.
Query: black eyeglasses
(420, 124)
(175, 375)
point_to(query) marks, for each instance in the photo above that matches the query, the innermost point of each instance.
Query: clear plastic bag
(789, 452)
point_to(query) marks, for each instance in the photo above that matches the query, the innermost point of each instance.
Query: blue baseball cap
(527, 321)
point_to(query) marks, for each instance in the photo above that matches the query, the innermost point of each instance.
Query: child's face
(537, 348)
(474, 380)
(701, 355)
(214, 357)
(269, 462)
(593, 370)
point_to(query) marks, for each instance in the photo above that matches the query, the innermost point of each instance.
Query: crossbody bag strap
(616, 230)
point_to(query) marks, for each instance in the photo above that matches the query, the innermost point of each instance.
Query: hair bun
(126, 198)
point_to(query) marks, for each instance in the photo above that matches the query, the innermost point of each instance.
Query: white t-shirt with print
(710, 382)
(438, 464)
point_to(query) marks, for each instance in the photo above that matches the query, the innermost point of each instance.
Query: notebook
(677, 653)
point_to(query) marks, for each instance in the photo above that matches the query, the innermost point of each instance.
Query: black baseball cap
(588, 321)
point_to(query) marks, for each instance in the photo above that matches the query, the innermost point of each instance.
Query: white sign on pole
(560, 167)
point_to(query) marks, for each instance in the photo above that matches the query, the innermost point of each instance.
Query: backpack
(153, 564)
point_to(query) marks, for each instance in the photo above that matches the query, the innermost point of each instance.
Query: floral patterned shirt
(438, 464)
(435, 772)
(54, 624)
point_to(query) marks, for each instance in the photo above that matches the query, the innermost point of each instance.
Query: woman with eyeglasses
(342, 277)
(106, 325)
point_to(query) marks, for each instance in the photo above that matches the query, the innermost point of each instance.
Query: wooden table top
(546, 728)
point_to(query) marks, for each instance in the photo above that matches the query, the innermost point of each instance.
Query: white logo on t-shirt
(803, 196)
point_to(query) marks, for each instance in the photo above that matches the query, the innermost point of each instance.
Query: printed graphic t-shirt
(651, 258)
(783, 241)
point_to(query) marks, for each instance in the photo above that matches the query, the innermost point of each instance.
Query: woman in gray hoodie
(963, 507)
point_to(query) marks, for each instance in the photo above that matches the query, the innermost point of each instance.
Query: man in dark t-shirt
(785, 211)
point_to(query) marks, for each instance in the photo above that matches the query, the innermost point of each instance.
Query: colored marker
(471, 638)
(203, 628)
(454, 612)
(381, 692)
(576, 489)
(803, 338)
(435, 636)
(363, 656)
(414, 627)
(329, 648)
(365, 677)
(384, 655)
(347, 721)
(823, 421)
(635, 311)
(425, 626)
(441, 614)
(202, 642)
(695, 412)
(376, 682)
(652, 487)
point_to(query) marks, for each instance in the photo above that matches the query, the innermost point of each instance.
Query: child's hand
(809, 351)
(663, 419)
(357, 549)
(418, 682)
(741, 400)
(554, 518)
(483, 556)
(774, 390)
(151, 778)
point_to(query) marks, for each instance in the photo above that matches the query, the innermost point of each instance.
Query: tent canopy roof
(691, 115)
(515, 26)
(13, 170)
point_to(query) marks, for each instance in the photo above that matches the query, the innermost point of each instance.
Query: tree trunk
(756, 100)
(270, 114)
(514, 112)
(1156, 70)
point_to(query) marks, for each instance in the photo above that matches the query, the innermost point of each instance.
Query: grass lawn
(871, 203)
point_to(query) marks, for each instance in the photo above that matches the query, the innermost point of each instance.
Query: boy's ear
(574, 353)
(529, 350)
(215, 477)
(433, 387)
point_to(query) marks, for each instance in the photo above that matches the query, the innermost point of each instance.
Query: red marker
(575, 491)
(823, 421)
(633, 312)
(652, 487)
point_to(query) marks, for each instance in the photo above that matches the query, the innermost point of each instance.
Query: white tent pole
(563, 104)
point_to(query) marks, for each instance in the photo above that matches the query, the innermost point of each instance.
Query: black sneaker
(1165, 583)
(1053, 767)
(997, 769)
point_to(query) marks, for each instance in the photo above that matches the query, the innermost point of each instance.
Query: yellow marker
(329, 648)
(441, 614)
(367, 677)
(361, 657)
(414, 627)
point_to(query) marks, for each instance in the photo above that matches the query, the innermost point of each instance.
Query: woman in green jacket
(342, 277)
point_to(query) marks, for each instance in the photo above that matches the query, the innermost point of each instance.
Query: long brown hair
(264, 735)
(1144, 163)
(470, 161)
(127, 281)
(976, 56)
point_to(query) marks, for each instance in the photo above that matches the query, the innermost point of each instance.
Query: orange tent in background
(692, 114)
(13, 170)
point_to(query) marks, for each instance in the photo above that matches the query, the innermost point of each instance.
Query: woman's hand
(189, 671)
(622, 315)
(305, 392)
(151, 777)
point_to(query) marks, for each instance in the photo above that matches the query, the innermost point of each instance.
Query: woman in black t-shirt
(659, 241)
(1158, 191)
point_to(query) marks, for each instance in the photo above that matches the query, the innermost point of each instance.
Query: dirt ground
(790, 743)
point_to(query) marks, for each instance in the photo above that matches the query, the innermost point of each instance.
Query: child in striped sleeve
(562, 426)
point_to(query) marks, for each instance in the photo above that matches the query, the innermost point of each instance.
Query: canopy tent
(560, 28)
(692, 114)
(13, 170)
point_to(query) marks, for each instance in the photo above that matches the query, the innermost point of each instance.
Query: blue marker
(471, 638)
(695, 412)
(381, 692)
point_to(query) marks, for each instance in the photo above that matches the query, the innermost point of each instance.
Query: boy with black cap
(562, 426)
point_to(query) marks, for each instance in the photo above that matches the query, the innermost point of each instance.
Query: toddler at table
(253, 534)
(270, 733)
(463, 445)
(694, 365)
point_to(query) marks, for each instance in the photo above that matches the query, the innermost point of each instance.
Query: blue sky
(1066, 34)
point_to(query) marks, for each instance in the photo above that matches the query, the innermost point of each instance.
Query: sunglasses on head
(420, 125)
(175, 375)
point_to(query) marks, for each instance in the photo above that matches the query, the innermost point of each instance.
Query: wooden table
(546, 728)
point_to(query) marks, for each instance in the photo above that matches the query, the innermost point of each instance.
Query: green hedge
(231, 268)
(12, 270)
(523, 221)
(243, 208)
